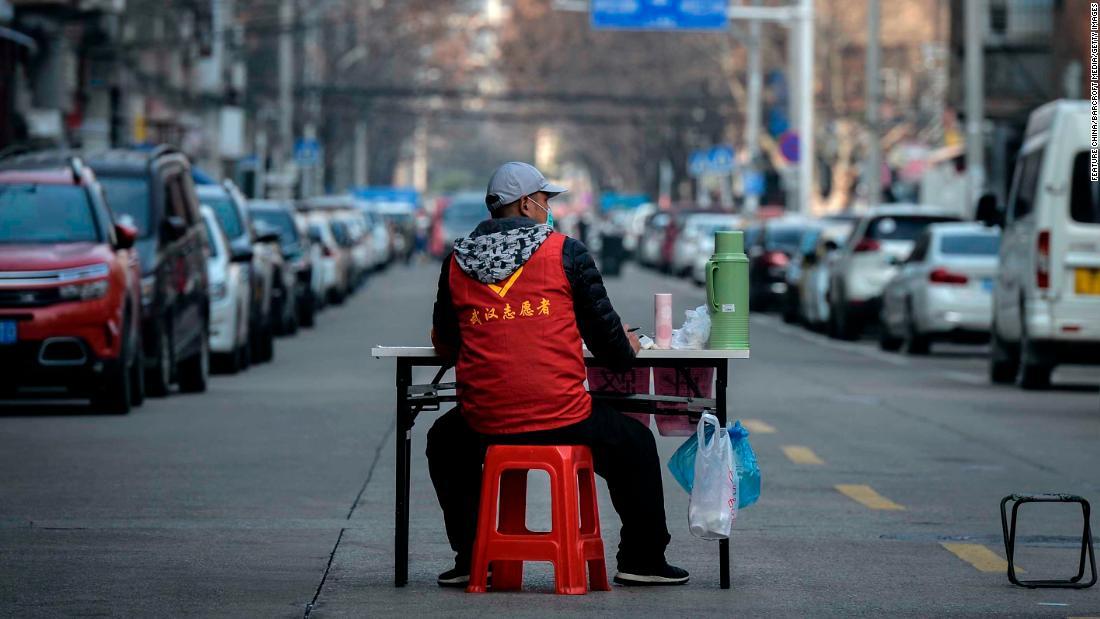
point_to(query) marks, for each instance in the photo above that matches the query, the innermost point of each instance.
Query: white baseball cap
(514, 180)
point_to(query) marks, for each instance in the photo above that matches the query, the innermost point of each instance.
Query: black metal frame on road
(1008, 528)
(414, 399)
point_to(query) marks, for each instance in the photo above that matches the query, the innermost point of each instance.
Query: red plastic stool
(574, 538)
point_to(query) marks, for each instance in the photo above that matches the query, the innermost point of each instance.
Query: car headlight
(84, 292)
(218, 290)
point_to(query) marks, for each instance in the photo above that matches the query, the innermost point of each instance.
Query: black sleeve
(600, 326)
(444, 318)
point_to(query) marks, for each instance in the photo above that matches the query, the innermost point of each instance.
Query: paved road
(272, 495)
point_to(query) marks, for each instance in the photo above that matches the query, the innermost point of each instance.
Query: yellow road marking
(982, 558)
(867, 496)
(801, 455)
(756, 426)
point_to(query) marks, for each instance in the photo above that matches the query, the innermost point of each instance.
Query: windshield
(901, 228)
(128, 197)
(1084, 200)
(281, 221)
(226, 212)
(782, 239)
(462, 216)
(970, 244)
(46, 214)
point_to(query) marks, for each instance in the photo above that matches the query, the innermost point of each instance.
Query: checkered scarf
(492, 258)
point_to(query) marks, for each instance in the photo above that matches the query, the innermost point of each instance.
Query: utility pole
(360, 152)
(752, 116)
(286, 84)
(805, 28)
(872, 172)
(976, 11)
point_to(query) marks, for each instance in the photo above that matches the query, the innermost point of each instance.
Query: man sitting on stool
(515, 300)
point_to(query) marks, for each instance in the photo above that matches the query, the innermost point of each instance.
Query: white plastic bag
(695, 332)
(713, 506)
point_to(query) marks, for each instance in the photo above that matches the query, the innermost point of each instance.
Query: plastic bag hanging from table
(713, 505)
(682, 464)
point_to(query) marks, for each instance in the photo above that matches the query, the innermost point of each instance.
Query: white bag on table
(713, 506)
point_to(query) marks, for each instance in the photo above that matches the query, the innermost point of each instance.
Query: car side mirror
(265, 233)
(894, 261)
(174, 228)
(125, 236)
(241, 254)
(831, 246)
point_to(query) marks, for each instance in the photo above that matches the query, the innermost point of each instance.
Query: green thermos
(728, 292)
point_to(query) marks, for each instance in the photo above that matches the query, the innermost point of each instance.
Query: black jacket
(599, 325)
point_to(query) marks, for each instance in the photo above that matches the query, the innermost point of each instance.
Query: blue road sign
(659, 14)
(788, 146)
(716, 160)
(307, 152)
(752, 183)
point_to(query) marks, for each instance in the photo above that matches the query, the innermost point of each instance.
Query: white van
(1046, 299)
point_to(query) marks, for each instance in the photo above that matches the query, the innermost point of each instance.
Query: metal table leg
(720, 370)
(403, 437)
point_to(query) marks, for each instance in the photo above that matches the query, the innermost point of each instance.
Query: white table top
(382, 352)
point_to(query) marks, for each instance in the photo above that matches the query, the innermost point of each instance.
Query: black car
(295, 246)
(152, 191)
(770, 249)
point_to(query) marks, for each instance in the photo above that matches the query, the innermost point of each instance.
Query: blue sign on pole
(752, 183)
(659, 14)
(307, 152)
(717, 160)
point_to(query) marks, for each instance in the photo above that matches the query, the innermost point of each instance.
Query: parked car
(801, 261)
(70, 286)
(813, 280)
(312, 234)
(152, 191)
(335, 259)
(882, 238)
(230, 295)
(297, 253)
(943, 289)
(704, 243)
(649, 245)
(1046, 308)
(284, 307)
(695, 229)
(769, 255)
(456, 218)
(381, 240)
(228, 206)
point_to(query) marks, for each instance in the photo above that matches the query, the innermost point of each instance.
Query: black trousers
(623, 452)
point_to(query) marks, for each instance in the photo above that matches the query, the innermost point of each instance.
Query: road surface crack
(339, 538)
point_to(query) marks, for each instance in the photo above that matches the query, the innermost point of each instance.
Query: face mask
(549, 214)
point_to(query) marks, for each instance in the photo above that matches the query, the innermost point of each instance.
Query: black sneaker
(664, 574)
(455, 577)
(458, 576)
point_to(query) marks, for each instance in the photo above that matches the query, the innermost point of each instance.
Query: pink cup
(662, 320)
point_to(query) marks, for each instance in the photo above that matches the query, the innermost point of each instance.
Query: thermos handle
(712, 302)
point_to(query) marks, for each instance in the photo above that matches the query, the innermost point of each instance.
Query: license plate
(1086, 281)
(8, 332)
(987, 284)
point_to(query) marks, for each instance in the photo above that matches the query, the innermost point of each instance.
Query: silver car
(943, 291)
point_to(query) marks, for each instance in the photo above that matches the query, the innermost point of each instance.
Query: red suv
(70, 287)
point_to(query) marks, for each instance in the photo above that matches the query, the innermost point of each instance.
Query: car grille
(29, 297)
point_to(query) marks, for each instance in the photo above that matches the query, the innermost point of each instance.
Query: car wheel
(1004, 362)
(158, 379)
(790, 311)
(916, 343)
(265, 345)
(114, 390)
(309, 310)
(137, 374)
(886, 340)
(244, 353)
(1032, 373)
(195, 370)
(845, 325)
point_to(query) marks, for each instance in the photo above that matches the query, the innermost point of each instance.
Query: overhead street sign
(659, 14)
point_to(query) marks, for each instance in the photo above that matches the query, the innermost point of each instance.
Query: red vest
(520, 362)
